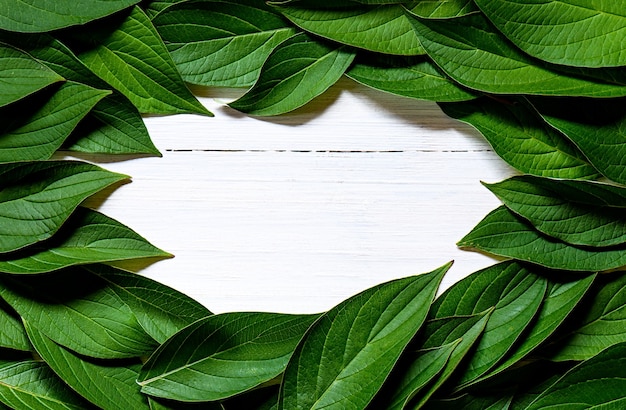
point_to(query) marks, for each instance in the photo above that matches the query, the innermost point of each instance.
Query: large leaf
(503, 233)
(383, 28)
(522, 139)
(298, 70)
(442, 8)
(221, 43)
(409, 77)
(223, 355)
(37, 198)
(32, 16)
(21, 75)
(473, 53)
(87, 237)
(87, 317)
(13, 335)
(597, 383)
(133, 59)
(354, 346)
(115, 380)
(573, 32)
(577, 212)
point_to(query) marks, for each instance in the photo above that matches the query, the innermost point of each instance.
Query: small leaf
(522, 139)
(221, 43)
(442, 8)
(575, 33)
(223, 355)
(13, 335)
(381, 28)
(87, 237)
(414, 78)
(298, 70)
(348, 353)
(37, 198)
(503, 233)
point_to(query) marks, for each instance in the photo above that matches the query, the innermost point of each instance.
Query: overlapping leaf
(13, 335)
(442, 8)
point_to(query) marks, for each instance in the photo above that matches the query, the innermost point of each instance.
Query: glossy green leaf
(115, 380)
(382, 28)
(223, 355)
(87, 237)
(574, 32)
(442, 8)
(159, 309)
(521, 139)
(33, 385)
(33, 129)
(21, 75)
(88, 317)
(410, 77)
(349, 352)
(133, 59)
(154, 7)
(13, 335)
(221, 43)
(37, 198)
(597, 127)
(597, 383)
(35, 16)
(577, 212)
(471, 51)
(298, 70)
(504, 234)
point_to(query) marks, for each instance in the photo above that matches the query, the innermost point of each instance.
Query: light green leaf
(474, 54)
(13, 336)
(298, 70)
(409, 77)
(573, 32)
(33, 385)
(221, 43)
(35, 16)
(37, 198)
(597, 383)
(382, 28)
(442, 8)
(223, 355)
(577, 212)
(522, 139)
(504, 234)
(21, 75)
(349, 352)
(88, 317)
(115, 380)
(160, 310)
(87, 237)
(133, 59)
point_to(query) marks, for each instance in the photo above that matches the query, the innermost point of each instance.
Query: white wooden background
(298, 212)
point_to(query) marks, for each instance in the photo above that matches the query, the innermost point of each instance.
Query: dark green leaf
(496, 401)
(442, 8)
(349, 352)
(298, 70)
(13, 335)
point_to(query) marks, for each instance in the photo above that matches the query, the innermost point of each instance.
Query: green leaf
(13, 335)
(348, 353)
(298, 70)
(35, 16)
(496, 401)
(504, 234)
(115, 380)
(574, 32)
(133, 59)
(474, 54)
(521, 139)
(577, 212)
(160, 310)
(597, 127)
(21, 75)
(33, 385)
(37, 198)
(597, 383)
(154, 7)
(221, 43)
(88, 317)
(442, 8)
(34, 129)
(87, 237)
(409, 77)
(223, 355)
(382, 28)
